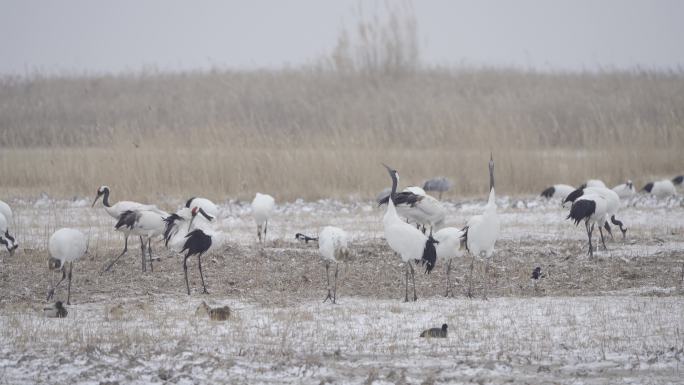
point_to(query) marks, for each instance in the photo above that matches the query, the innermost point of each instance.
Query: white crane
(557, 191)
(593, 183)
(662, 189)
(198, 242)
(6, 210)
(418, 207)
(146, 224)
(612, 206)
(65, 245)
(406, 240)
(5, 238)
(262, 207)
(592, 209)
(482, 232)
(176, 223)
(333, 246)
(625, 190)
(117, 209)
(449, 246)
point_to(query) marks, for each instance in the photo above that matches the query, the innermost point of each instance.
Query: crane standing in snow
(482, 231)
(406, 240)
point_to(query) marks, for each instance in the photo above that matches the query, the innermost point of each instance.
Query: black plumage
(464, 238)
(127, 219)
(170, 228)
(189, 202)
(648, 187)
(197, 243)
(548, 193)
(678, 179)
(537, 273)
(435, 332)
(305, 238)
(574, 195)
(402, 198)
(429, 254)
(581, 210)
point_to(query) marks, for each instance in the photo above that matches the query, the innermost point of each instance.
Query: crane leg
(125, 250)
(71, 269)
(448, 270)
(259, 232)
(142, 254)
(149, 251)
(413, 278)
(335, 289)
(199, 263)
(603, 242)
(486, 278)
(185, 270)
(406, 283)
(591, 250)
(265, 229)
(327, 275)
(51, 292)
(469, 294)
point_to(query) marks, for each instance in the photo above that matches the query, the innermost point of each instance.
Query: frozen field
(616, 319)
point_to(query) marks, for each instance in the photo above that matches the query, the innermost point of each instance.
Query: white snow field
(618, 318)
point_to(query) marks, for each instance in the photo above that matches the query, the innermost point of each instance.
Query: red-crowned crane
(592, 209)
(262, 208)
(65, 245)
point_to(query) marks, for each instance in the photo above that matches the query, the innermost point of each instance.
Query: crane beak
(96, 198)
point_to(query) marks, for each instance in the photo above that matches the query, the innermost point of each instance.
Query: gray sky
(76, 36)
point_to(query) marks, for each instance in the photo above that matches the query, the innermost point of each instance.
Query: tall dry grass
(323, 130)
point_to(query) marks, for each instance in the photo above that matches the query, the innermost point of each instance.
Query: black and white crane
(663, 188)
(198, 242)
(557, 191)
(449, 247)
(262, 208)
(482, 232)
(115, 210)
(592, 209)
(146, 224)
(406, 240)
(418, 207)
(612, 207)
(6, 239)
(333, 246)
(177, 225)
(625, 190)
(65, 245)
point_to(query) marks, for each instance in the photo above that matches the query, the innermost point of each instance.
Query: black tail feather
(581, 210)
(127, 219)
(429, 255)
(678, 179)
(170, 229)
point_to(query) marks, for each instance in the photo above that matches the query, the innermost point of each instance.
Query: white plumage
(594, 183)
(404, 239)
(178, 225)
(203, 203)
(592, 209)
(66, 245)
(262, 207)
(6, 211)
(612, 206)
(482, 232)
(625, 190)
(661, 189)
(416, 190)
(448, 248)
(418, 207)
(333, 245)
(5, 238)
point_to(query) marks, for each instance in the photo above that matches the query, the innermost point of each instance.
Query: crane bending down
(406, 240)
(481, 233)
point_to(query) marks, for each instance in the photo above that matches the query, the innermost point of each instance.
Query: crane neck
(105, 199)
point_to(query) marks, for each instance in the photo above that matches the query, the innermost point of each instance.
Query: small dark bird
(537, 273)
(435, 332)
(57, 310)
(305, 238)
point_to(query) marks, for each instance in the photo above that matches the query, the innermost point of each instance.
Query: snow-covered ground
(616, 319)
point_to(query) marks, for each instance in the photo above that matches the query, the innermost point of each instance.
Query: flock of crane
(408, 216)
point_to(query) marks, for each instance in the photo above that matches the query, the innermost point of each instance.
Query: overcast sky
(94, 36)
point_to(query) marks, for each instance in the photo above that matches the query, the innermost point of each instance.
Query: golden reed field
(322, 132)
